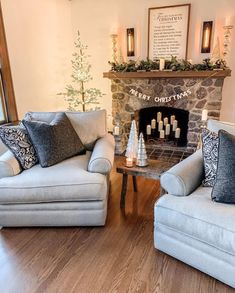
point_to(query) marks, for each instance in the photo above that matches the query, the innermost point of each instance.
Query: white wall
(40, 35)
(39, 38)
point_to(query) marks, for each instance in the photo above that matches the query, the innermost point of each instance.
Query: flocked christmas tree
(132, 145)
(77, 95)
(141, 154)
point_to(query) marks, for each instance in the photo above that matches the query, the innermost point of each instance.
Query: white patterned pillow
(17, 140)
(210, 145)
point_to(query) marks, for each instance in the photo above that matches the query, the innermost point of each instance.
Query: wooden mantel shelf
(168, 74)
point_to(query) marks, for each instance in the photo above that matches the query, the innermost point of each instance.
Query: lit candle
(116, 130)
(129, 162)
(204, 114)
(175, 124)
(162, 134)
(172, 119)
(177, 133)
(148, 129)
(165, 121)
(168, 129)
(160, 125)
(162, 64)
(206, 38)
(153, 123)
(159, 116)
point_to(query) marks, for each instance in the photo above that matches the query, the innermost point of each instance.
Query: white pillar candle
(162, 134)
(204, 114)
(162, 64)
(177, 133)
(165, 121)
(129, 162)
(148, 129)
(153, 123)
(172, 119)
(168, 129)
(175, 124)
(160, 125)
(159, 116)
(116, 130)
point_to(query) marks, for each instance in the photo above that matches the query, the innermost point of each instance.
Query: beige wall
(40, 36)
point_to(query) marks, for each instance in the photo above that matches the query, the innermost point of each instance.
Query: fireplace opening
(164, 126)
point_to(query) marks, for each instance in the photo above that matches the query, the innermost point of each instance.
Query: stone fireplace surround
(205, 93)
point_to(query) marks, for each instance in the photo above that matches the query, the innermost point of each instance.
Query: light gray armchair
(71, 193)
(189, 226)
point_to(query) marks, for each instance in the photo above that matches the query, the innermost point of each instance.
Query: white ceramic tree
(141, 154)
(132, 145)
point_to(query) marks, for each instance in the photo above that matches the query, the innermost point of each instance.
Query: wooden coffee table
(152, 171)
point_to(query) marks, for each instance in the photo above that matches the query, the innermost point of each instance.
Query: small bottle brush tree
(132, 145)
(79, 95)
(141, 154)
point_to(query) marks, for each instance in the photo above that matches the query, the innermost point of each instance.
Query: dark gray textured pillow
(210, 142)
(17, 140)
(56, 141)
(224, 187)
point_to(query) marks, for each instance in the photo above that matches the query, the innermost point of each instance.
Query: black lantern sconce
(130, 42)
(206, 36)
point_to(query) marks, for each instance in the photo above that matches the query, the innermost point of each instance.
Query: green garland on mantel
(174, 65)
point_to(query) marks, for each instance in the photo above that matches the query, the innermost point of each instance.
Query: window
(8, 112)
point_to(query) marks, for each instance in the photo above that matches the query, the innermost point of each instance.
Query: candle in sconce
(148, 129)
(116, 130)
(162, 64)
(175, 124)
(153, 123)
(159, 116)
(165, 120)
(204, 114)
(168, 129)
(160, 125)
(177, 133)
(162, 134)
(129, 162)
(172, 119)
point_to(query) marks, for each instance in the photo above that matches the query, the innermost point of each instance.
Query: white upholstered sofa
(189, 225)
(71, 193)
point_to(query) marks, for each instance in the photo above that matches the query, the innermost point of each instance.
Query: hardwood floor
(119, 257)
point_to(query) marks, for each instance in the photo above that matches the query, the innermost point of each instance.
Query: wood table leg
(124, 188)
(134, 183)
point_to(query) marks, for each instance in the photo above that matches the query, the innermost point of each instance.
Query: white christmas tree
(216, 54)
(141, 154)
(132, 145)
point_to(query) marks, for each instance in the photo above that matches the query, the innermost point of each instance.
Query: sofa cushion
(66, 181)
(224, 188)
(89, 125)
(56, 141)
(215, 126)
(199, 217)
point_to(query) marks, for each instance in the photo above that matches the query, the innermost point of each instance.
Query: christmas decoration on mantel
(80, 97)
(168, 65)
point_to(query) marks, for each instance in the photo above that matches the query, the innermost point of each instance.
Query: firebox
(164, 125)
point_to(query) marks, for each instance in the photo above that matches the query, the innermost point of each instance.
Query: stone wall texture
(206, 93)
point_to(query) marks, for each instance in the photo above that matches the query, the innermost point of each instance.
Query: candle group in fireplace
(163, 126)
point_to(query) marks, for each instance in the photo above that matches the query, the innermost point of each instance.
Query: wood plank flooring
(119, 257)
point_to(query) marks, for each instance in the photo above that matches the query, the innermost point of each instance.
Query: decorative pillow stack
(35, 141)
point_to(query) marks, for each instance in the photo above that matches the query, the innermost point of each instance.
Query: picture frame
(168, 30)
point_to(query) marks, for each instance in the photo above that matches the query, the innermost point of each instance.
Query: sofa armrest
(102, 157)
(184, 177)
(9, 166)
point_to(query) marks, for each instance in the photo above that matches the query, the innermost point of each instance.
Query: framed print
(168, 29)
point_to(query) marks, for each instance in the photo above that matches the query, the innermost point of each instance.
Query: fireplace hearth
(205, 92)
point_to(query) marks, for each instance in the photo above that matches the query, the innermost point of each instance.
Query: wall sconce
(130, 42)
(206, 36)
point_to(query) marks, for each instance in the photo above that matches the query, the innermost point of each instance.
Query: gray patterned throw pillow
(17, 140)
(224, 187)
(210, 142)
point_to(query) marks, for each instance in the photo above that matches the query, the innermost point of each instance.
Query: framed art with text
(168, 29)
